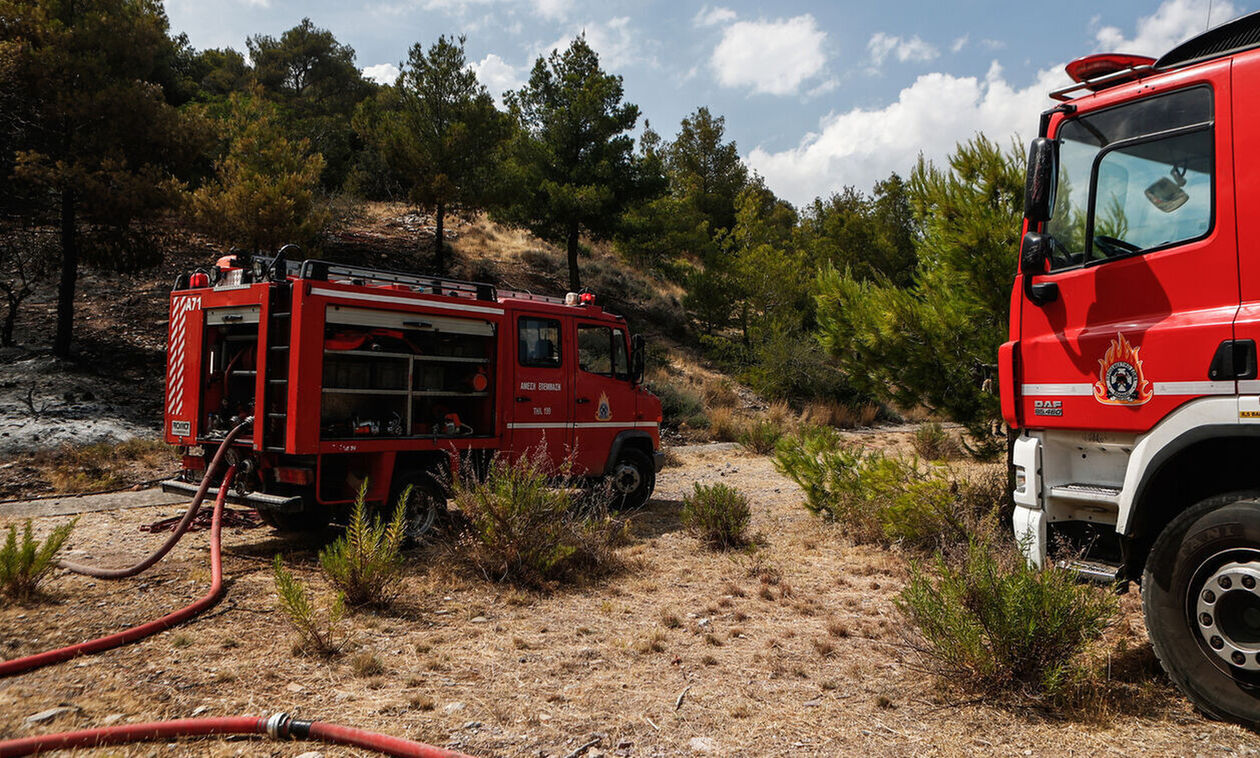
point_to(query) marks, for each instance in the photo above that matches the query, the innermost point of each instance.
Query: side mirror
(638, 359)
(1039, 187)
(1034, 252)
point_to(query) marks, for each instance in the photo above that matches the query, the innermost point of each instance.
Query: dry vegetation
(794, 648)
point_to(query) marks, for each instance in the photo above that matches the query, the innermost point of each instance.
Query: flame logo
(603, 411)
(1120, 377)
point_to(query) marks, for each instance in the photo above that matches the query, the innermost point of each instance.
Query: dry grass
(449, 652)
(102, 466)
(839, 415)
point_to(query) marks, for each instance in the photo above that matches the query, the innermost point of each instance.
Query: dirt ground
(793, 650)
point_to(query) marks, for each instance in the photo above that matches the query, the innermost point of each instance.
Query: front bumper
(1030, 533)
(259, 500)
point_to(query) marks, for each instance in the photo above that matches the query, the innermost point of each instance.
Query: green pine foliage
(995, 624)
(318, 633)
(718, 515)
(25, 563)
(365, 563)
(265, 190)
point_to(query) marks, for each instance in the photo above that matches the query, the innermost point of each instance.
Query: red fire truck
(1131, 368)
(354, 374)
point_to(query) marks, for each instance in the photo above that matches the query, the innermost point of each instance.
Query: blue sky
(817, 95)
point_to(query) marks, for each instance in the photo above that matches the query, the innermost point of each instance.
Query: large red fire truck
(1131, 369)
(354, 374)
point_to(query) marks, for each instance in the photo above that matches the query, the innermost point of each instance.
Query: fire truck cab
(1130, 374)
(353, 374)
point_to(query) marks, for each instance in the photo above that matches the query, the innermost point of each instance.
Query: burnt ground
(794, 649)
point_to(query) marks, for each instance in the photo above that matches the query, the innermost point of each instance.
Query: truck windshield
(1134, 177)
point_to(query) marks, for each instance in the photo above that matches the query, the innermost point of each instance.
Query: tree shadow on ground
(658, 518)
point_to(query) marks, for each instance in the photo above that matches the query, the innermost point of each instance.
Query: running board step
(1107, 574)
(1087, 493)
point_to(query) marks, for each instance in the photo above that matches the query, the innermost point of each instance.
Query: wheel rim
(627, 478)
(1226, 608)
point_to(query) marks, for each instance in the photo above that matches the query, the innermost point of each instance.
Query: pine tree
(264, 191)
(705, 170)
(574, 169)
(440, 133)
(96, 136)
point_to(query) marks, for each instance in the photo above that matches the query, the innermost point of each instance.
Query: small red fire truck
(354, 374)
(1130, 372)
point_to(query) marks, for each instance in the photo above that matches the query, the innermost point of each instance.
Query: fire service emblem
(1120, 379)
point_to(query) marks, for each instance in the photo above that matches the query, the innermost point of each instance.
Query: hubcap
(626, 478)
(1227, 614)
(420, 515)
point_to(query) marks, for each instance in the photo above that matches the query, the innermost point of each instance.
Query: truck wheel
(1201, 598)
(632, 478)
(426, 503)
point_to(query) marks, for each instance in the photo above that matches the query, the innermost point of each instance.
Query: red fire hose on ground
(280, 726)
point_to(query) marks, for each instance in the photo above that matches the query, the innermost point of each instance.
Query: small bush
(993, 623)
(316, 635)
(522, 529)
(884, 499)
(365, 562)
(23, 565)
(719, 515)
(933, 443)
(719, 393)
(679, 404)
(761, 436)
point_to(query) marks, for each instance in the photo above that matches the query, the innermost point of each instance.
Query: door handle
(583, 400)
(522, 399)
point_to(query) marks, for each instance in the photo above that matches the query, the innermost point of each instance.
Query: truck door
(542, 392)
(1144, 272)
(603, 404)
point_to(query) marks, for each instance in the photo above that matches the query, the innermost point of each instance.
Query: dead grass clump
(522, 529)
(102, 465)
(840, 415)
(24, 564)
(825, 648)
(719, 393)
(712, 639)
(734, 590)
(365, 663)
(653, 643)
(422, 703)
(671, 620)
(838, 629)
(709, 660)
(725, 425)
(761, 436)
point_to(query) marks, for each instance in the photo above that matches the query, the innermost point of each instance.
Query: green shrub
(679, 404)
(23, 565)
(365, 562)
(316, 635)
(523, 527)
(761, 436)
(880, 498)
(933, 443)
(719, 515)
(993, 623)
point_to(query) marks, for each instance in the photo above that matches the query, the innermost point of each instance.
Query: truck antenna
(1208, 25)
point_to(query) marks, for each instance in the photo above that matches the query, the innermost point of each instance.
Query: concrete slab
(71, 504)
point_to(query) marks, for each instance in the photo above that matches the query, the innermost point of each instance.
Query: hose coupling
(278, 726)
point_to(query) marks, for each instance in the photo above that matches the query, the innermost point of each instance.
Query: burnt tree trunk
(69, 277)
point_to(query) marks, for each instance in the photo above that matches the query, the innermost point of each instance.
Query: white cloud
(714, 16)
(770, 57)
(905, 50)
(556, 10)
(959, 44)
(1172, 23)
(497, 75)
(382, 73)
(614, 40)
(862, 146)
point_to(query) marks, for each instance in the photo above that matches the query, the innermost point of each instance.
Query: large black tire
(631, 479)
(425, 505)
(1201, 598)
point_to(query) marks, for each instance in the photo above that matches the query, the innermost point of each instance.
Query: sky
(817, 95)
